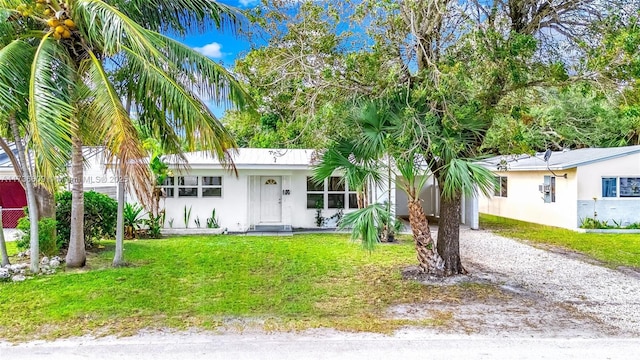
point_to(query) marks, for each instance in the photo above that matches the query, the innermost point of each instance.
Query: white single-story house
(571, 186)
(272, 190)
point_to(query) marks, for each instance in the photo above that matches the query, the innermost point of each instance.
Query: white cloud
(247, 2)
(211, 50)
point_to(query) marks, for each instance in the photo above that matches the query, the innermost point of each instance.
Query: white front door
(270, 199)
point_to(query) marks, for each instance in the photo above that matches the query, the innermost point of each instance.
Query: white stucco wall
(591, 175)
(623, 210)
(428, 195)
(238, 208)
(525, 202)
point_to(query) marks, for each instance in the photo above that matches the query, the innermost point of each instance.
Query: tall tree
(456, 61)
(72, 99)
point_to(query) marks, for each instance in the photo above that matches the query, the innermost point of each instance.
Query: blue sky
(222, 46)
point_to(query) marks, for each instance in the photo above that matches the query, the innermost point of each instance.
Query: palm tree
(68, 45)
(378, 126)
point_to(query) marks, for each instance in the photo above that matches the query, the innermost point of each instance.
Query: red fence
(10, 217)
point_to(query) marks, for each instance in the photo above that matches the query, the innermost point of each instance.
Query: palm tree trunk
(118, 258)
(76, 256)
(449, 235)
(428, 258)
(32, 205)
(46, 206)
(3, 245)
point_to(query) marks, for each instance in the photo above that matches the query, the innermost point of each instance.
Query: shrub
(46, 235)
(132, 215)
(100, 213)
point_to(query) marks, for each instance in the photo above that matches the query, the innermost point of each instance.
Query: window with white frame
(628, 187)
(315, 194)
(501, 186)
(212, 186)
(187, 186)
(333, 193)
(168, 187)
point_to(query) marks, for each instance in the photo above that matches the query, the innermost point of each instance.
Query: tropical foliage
(55, 54)
(465, 71)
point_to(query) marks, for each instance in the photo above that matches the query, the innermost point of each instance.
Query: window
(549, 189)
(187, 186)
(630, 187)
(212, 186)
(315, 194)
(501, 186)
(168, 187)
(333, 193)
(609, 187)
(336, 193)
(624, 187)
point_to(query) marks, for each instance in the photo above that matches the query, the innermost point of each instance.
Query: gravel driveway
(607, 295)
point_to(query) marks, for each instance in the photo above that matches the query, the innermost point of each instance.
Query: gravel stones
(606, 294)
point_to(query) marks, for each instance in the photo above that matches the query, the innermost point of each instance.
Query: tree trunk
(46, 203)
(76, 256)
(46, 206)
(118, 258)
(428, 258)
(3, 245)
(449, 235)
(32, 205)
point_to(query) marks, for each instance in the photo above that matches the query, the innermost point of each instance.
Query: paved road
(323, 345)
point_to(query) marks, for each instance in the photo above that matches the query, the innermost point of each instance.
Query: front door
(270, 199)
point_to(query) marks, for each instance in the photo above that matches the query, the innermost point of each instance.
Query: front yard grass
(222, 282)
(612, 249)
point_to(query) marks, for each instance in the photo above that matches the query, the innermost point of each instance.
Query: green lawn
(286, 283)
(612, 249)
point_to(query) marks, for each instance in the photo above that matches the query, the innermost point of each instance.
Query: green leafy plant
(132, 219)
(154, 225)
(591, 223)
(171, 223)
(100, 212)
(46, 235)
(320, 220)
(212, 222)
(187, 216)
(197, 221)
(365, 224)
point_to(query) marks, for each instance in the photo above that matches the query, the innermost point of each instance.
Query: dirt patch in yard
(511, 311)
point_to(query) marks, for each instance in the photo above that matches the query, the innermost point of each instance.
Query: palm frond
(462, 176)
(183, 16)
(117, 130)
(364, 224)
(50, 109)
(13, 75)
(184, 111)
(203, 75)
(107, 29)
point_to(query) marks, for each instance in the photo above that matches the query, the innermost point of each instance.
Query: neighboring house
(12, 195)
(572, 186)
(272, 190)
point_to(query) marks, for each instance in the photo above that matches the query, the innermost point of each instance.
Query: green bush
(46, 235)
(100, 212)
